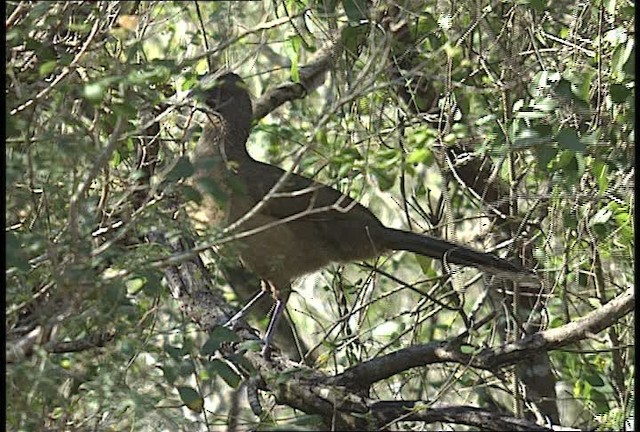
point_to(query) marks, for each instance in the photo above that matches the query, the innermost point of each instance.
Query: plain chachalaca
(303, 225)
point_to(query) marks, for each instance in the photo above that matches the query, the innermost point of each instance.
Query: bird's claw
(266, 351)
(231, 324)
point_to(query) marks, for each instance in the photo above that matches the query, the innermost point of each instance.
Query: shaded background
(491, 123)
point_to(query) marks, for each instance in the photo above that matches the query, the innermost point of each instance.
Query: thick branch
(381, 368)
(311, 77)
(391, 411)
(18, 350)
(342, 409)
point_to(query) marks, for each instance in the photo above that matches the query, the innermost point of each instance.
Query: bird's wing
(302, 195)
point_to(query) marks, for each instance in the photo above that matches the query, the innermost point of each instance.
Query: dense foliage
(490, 123)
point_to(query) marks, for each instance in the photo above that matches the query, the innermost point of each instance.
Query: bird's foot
(243, 312)
(266, 351)
(231, 324)
(268, 336)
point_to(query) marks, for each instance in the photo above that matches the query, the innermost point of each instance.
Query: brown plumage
(309, 224)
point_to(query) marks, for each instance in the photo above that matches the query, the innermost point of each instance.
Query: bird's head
(227, 95)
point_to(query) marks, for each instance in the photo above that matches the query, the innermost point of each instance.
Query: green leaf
(295, 71)
(616, 36)
(116, 159)
(250, 345)
(226, 373)
(610, 6)
(47, 67)
(356, 10)
(153, 75)
(590, 139)
(621, 54)
(545, 154)
(191, 398)
(175, 352)
(137, 174)
(619, 92)
(352, 37)
(601, 173)
(570, 221)
(576, 85)
(528, 138)
(169, 373)
(602, 216)
(538, 5)
(568, 139)
(425, 264)
(467, 349)
(211, 187)
(182, 169)
(531, 115)
(126, 110)
(426, 24)
(190, 81)
(601, 401)
(217, 336)
(15, 255)
(563, 88)
(570, 167)
(582, 85)
(114, 293)
(189, 193)
(595, 380)
(134, 285)
(94, 92)
(242, 362)
(421, 155)
(386, 178)
(186, 367)
(326, 6)
(292, 48)
(153, 282)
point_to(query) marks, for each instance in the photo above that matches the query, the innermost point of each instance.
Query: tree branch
(394, 411)
(383, 367)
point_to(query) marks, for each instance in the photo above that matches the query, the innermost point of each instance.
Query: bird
(287, 225)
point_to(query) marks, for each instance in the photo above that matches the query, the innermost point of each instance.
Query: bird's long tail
(421, 244)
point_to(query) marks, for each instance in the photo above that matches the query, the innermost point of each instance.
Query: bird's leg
(268, 336)
(281, 303)
(245, 309)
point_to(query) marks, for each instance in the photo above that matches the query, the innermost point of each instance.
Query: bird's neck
(228, 137)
